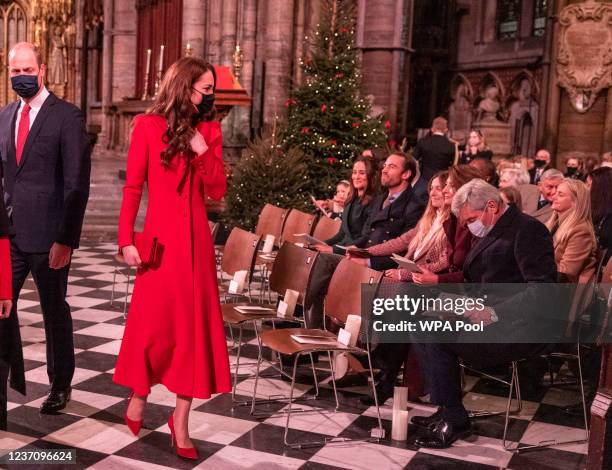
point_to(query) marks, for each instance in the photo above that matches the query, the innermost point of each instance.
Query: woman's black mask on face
(205, 106)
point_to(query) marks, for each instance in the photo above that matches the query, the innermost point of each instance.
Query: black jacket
(434, 153)
(388, 223)
(47, 194)
(354, 219)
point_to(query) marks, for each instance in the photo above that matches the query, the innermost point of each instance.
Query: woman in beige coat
(573, 233)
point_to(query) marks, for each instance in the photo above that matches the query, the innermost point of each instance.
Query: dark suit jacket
(47, 193)
(354, 218)
(390, 222)
(435, 153)
(518, 249)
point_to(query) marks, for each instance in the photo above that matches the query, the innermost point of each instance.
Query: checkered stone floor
(226, 436)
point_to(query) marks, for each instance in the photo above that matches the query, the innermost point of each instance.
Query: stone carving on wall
(523, 111)
(460, 109)
(56, 72)
(584, 60)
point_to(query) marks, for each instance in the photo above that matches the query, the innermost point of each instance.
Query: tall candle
(399, 425)
(148, 62)
(161, 58)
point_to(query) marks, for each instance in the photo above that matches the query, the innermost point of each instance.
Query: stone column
(548, 123)
(278, 45)
(212, 48)
(194, 21)
(107, 73)
(124, 49)
(229, 19)
(384, 47)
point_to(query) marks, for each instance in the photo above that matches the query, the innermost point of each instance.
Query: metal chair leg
(237, 362)
(112, 299)
(127, 292)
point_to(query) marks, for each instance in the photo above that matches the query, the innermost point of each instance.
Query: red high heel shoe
(133, 425)
(185, 452)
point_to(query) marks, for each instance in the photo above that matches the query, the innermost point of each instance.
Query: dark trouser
(444, 374)
(4, 373)
(52, 285)
(322, 272)
(389, 357)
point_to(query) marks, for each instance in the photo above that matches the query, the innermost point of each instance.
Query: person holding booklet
(438, 246)
(364, 188)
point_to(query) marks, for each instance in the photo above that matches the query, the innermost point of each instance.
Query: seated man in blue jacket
(395, 211)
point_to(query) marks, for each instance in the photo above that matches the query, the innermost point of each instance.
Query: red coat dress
(174, 333)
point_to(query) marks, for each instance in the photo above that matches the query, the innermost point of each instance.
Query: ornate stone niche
(584, 60)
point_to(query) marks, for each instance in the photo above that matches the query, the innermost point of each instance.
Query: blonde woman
(572, 230)
(476, 148)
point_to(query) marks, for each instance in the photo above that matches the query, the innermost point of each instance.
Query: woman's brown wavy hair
(174, 103)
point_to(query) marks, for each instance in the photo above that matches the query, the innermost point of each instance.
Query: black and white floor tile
(227, 436)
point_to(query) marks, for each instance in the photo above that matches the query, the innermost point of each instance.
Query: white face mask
(479, 229)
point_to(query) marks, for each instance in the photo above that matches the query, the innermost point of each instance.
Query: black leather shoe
(352, 380)
(383, 392)
(443, 434)
(55, 401)
(427, 421)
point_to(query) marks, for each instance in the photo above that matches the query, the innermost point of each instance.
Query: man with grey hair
(512, 248)
(537, 200)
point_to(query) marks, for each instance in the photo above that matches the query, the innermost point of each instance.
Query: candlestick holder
(145, 94)
(157, 83)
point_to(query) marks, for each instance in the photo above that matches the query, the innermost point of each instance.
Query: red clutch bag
(148, 249)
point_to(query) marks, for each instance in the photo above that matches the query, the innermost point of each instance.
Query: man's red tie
(22, 132)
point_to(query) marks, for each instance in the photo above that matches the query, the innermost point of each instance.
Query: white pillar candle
(400, 398)
(148, 63)
(161, 58)
(399, 425)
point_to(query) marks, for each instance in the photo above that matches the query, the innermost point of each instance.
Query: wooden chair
(342, 300)
(271, 221)
(239, 255)
(214, 229)
(326, 228)
(292, 269)
(297, 222)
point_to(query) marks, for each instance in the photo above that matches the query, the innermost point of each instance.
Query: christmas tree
(267, 174)
(327, 119)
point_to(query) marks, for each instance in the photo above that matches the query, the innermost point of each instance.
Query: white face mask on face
(479, 229)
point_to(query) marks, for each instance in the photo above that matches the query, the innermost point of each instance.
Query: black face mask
(205, 106)
(25, 86)
(571, 170)
(539, 163)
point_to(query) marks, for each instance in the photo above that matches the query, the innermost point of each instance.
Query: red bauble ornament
(340, 75)
(332, 160)
(323, 107)
(356, 124)
(387, 124)
(305, 130)
(290, 102)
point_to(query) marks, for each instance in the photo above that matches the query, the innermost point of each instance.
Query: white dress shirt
(35, 105)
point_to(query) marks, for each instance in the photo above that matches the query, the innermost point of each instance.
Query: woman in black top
(476, 148)
(599, 182)
(364, 186)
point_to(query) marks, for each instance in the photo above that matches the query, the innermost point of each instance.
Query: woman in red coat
(174, 333)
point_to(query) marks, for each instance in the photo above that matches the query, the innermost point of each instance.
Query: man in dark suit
(435, 152)
(512, 248)
(393, 212)
(541, 164)
(46, 167)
